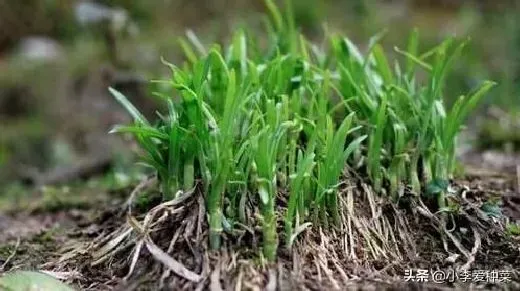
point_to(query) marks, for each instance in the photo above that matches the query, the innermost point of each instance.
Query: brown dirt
(354, 257)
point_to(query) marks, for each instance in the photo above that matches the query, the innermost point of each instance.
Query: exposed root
(137, 238)
(171, 263)
(145, 184)
(374, 243)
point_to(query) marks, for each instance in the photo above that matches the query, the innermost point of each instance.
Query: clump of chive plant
(265, 124)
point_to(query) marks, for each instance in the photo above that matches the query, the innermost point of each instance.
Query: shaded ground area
(94, 248)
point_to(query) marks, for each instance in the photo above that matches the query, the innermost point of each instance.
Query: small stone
(39, 49)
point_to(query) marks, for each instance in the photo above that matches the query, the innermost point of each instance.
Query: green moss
(16, 197)
(147, 200)
(513, 229)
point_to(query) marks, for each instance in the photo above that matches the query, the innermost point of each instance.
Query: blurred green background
(57, 58)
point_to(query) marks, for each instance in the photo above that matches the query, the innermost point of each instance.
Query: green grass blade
(138, 117)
